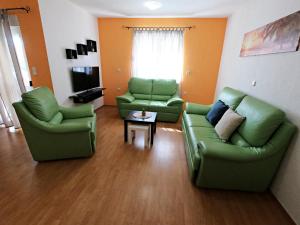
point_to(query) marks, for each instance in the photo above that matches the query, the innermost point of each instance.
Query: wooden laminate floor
(120, 184)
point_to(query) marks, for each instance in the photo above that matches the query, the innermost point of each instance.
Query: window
(157, 54)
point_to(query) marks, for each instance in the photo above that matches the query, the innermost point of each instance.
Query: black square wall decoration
(82, 49)
(71, 54)
(91, 45)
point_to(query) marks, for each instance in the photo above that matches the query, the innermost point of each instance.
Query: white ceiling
(170, 8)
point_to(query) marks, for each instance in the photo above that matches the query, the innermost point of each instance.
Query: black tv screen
(85, 78)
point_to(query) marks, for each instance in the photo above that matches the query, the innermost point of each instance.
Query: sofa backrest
(140, 88)
(155, 89)
(262, 120)
(231, 97)
(41, 103)
(163, 90)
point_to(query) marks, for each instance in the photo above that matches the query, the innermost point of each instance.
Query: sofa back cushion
(164, 87)
(140, 88)
(231, 97)
(41, 103)
(163, 90)
(262, 120)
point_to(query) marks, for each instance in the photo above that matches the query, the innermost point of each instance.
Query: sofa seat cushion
(262, 120)
(237, 139)
(136, 104)
(195, 120)
(57, 119)
(141, 96)
(161, 106)
(161, 97)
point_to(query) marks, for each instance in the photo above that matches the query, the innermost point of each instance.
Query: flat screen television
(85, 78)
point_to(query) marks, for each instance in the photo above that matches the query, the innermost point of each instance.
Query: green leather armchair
(250, 159)
(54, 132)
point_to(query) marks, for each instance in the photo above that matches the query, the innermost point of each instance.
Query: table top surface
(131, 118)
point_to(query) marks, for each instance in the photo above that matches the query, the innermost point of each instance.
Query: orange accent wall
(202, 53)
(33, 37)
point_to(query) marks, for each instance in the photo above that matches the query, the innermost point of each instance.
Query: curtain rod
(27, 9)
(154, 28)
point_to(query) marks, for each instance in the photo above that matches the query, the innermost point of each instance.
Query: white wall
(65, 25)
(278, 82)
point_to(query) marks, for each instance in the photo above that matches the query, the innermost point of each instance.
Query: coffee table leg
(125, 130)
(152, 132)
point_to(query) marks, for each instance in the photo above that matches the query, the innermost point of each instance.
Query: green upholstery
(237, 139)
(69, 133)
(231, 97)
(193, 108)
(159, 96)
(164, 87)
(250, 160)
(41, 104)
(194, 120)
(57, 119)
(140, 88)
(261, 118)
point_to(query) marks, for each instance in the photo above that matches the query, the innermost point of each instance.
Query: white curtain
(157, 54)
(9, 87)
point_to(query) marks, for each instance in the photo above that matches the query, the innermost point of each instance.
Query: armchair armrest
(174, 101)
(127, 97)
(193, 108)
(229, 152)
(85, 110)
(67, 128)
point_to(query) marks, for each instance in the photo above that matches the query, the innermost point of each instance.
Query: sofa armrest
(86, 110)
(67, 128)
(193, 108)
(217, 150)
(174, 101)
(127, 97)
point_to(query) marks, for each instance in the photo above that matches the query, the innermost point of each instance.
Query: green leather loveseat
(250, 159)
(159, 96)
(55, 132)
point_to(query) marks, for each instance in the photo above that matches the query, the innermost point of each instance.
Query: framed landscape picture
(282, 35)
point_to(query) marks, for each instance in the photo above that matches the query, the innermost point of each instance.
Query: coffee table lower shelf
(151, 121)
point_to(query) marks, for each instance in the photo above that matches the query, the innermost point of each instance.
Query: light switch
(33, 71)
(188, 73)
(253, 83)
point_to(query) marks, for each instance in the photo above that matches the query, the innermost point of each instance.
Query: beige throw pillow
(229, 122)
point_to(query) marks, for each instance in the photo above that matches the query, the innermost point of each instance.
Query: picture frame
(91, 45)
(81, 49)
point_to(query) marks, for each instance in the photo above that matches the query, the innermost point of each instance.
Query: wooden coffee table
(148, 121)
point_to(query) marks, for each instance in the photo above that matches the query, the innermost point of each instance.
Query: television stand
(88, 95)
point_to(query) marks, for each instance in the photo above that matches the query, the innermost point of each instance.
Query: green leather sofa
(159, 96)
(54, 132)
(249, 161)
